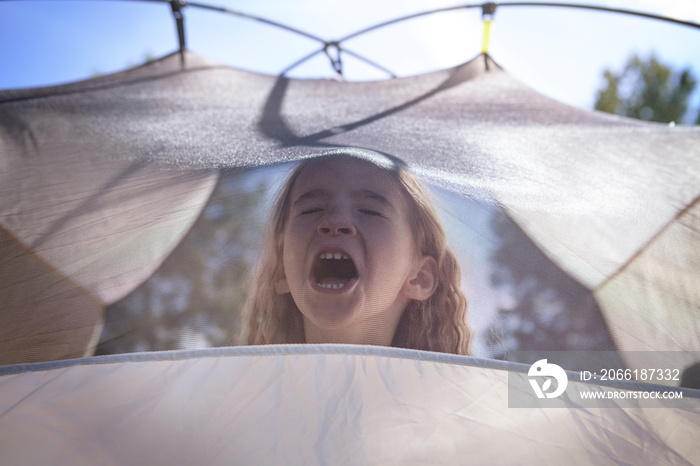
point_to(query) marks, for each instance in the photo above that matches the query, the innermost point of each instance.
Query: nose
(336, 223)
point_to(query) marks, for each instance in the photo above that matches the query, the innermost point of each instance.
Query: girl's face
(349, 256)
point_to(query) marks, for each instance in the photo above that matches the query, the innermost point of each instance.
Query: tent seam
(646, 245)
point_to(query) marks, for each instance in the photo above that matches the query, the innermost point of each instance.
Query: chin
(331, 316)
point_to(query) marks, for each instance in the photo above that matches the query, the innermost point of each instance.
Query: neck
(370, 333)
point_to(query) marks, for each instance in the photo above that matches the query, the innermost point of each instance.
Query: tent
(319, 405)
(101, 179)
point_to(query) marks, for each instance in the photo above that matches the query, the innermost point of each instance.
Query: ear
(422, 284)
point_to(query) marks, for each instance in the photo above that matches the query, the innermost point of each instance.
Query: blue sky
(559, 52)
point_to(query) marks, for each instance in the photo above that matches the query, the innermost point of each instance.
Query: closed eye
(312, 210)
(371, 212)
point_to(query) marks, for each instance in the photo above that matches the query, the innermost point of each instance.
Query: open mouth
(333, 270)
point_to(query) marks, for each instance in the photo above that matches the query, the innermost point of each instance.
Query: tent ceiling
(591, 188)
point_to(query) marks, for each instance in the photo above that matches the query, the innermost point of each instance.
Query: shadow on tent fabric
(273, 125)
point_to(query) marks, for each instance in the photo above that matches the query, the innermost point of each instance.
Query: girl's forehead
(344, 173)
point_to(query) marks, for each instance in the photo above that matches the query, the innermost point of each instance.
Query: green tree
(548, 309)
(647, 90)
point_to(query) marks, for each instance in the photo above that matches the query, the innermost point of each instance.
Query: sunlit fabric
(79, 224)
(315, 405)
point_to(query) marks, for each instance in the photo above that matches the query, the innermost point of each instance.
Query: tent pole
(177, 6)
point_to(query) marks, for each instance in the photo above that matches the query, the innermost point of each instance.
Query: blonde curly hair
(436, 324)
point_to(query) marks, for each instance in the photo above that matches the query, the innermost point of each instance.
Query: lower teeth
(335, 286)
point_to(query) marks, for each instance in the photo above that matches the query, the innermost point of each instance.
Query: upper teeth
(333, 255)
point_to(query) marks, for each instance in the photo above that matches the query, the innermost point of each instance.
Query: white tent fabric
(80, 226)
(77, 234)
(644, 308)
(316, 405)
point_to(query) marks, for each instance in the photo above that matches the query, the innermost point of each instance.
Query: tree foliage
(647, 90)
(548, 309)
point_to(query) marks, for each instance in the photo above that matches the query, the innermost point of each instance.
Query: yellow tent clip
(487, 12)
(487, 32)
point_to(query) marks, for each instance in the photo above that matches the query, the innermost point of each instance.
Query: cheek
(394, 249)
(299, 229)
(399, 239)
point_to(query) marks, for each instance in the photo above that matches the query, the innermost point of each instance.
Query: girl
(356, 255)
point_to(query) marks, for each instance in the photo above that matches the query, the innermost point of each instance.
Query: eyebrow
(313, 194)
(375, 196)
(361, 193)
